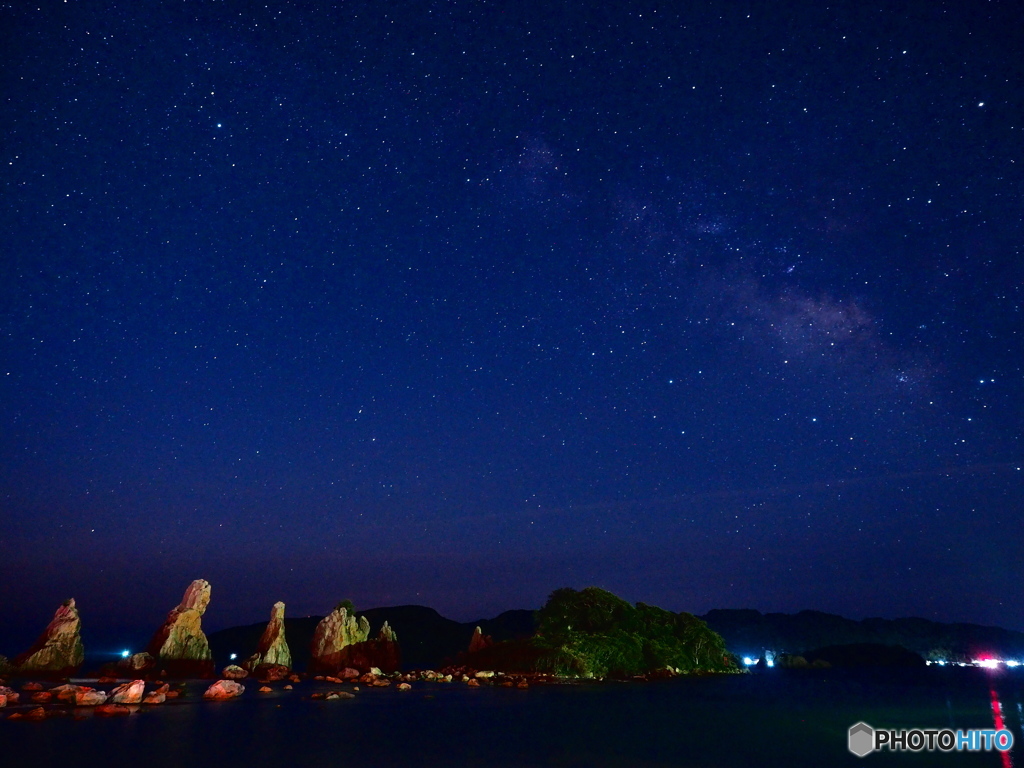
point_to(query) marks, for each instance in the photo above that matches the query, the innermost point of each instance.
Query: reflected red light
(997, 717)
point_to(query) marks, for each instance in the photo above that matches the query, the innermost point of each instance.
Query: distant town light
(233, 656)
(125, 653)
(1012, 663)
(770, 662)
(749, 661)
(987, 663)
(941, 662)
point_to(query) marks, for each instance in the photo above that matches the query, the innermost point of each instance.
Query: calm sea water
(769, 719)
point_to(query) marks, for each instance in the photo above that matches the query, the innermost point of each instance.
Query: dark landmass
(749, 632)
(593, 633)
(428, 639)
(865, 655)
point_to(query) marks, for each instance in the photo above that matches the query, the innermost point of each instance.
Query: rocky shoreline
(84, 698)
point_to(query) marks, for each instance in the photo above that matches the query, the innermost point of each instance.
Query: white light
(1013, 663)
(748, 661)
(770, 663)
(233, 656)
(987, 663)
(941, 663)
(125, 654)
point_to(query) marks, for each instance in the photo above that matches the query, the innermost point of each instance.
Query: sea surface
(770, 718)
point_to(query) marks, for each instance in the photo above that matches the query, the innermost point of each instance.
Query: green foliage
(593, 633)
(348, 606)
(591, 610)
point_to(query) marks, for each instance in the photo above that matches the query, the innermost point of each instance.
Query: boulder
(10, 695)
(479, 641)
(272, 647)
(90, 698)
(154, 697)
(138, 662)
(338, 695)
(270, 673)
(58, 652)
(129, 693)
(67, 692)
(224, 689)
(334, 634)
(233, 672)
(180, 646)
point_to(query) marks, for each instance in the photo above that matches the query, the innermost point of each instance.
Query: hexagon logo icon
(861, 739)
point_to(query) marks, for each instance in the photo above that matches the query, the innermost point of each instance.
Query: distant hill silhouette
(426, 637)
(865, 655)
(751, 632)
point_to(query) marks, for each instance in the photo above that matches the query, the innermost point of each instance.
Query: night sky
(710, 304)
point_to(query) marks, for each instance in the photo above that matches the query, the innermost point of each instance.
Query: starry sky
(455, 302)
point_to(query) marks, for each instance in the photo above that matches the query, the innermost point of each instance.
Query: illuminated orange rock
(10, 695)
(180, 646)
(90, 698)
(272, 648)
(66, 693)
(224, 689)
(334, 634)
(58, 652)
(129, 693)
(233, 672)
(271, 673)
(479, 641)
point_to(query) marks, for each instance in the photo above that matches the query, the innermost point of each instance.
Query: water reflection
(1000, 723)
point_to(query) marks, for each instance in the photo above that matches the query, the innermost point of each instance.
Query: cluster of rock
(179, 648)
(341, 641)
(118, 701)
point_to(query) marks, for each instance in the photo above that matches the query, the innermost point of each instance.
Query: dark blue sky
(710, 304)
